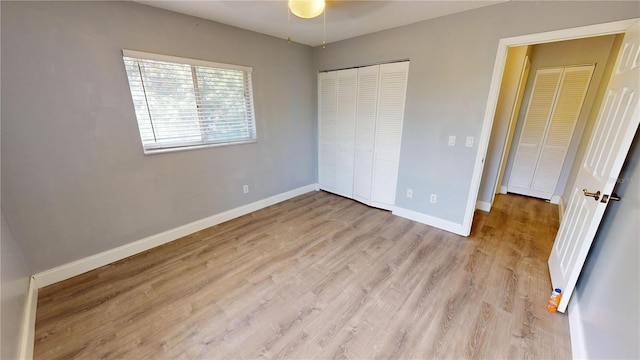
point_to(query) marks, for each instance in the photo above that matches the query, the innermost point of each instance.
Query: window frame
(194, 145)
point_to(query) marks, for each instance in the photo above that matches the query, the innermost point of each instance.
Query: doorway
(617, 27)
(560, 103)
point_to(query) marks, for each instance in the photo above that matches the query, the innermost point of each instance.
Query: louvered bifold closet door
(366, 109)
(386, 156)
(327, 117)
(556, 102)
(346, 131)
(573, 89)
(545, 87)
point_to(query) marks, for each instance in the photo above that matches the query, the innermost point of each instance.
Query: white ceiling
(344, 19)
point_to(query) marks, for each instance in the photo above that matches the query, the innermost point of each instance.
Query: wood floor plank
(320, 276)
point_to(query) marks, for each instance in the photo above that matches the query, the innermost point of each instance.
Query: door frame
(515, 111)
(609, 28)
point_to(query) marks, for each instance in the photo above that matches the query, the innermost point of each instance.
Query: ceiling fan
(306, 9)
(309, 9)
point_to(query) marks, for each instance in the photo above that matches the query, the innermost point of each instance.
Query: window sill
(156, 151)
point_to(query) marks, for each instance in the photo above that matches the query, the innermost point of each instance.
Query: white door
(345, 131)
(360, 116)
(327, 117)
(608, 147)
(367, 108)
(545, 87)
(556, 103)
(386, 153)
(566, 111)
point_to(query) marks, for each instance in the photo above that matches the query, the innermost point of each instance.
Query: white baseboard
(576, 332)
(503, 189)
(430, 220)
(555, 199)
(78, 267)
(483, 205)
(28, 327)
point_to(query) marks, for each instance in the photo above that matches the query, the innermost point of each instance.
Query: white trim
(316, 187)
(160, 149)
(380, 205)
(503, 189)
(483, 205)
(615, 27)
(78, 267)
(483, 143)
(555, 199)
(28, 327)
(560, 209)
(494, 89)
(429, 220)
(576, 331)
(181, 60)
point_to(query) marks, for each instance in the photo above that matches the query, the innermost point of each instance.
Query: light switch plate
(469, 142)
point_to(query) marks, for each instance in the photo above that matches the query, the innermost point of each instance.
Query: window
(185, 103)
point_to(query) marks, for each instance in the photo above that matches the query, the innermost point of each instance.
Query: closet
(360, 115)
(554, 108)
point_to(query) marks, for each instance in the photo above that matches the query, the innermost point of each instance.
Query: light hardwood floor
(320, 276)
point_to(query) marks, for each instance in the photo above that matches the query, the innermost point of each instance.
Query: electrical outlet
(469, 142)
(245, 189)
(410, 193)
(433, 198)
(452, 140)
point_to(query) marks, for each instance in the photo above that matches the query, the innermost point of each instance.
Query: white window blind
(186, 103)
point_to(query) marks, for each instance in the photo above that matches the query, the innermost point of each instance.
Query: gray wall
(452, 62)
(502, 126)
(608, 291)
(75, 181)
(565, 53)
(14, 283)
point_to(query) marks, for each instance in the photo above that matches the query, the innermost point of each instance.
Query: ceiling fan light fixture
(306, 9)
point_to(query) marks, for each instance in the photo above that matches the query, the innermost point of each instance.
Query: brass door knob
(595, 195)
